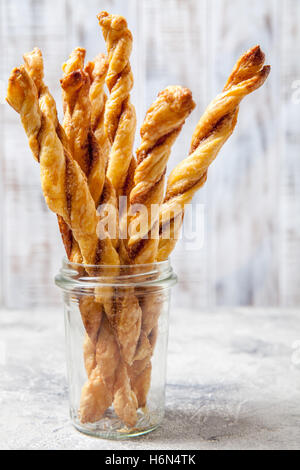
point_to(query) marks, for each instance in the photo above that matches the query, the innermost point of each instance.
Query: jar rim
(83, 278)
(110, 266)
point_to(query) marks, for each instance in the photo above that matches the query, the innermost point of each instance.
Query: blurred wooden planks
(243, 217)
(289, 173)
(249, 251)
(30, 243)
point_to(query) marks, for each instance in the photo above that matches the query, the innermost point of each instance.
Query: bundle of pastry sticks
(88, 162)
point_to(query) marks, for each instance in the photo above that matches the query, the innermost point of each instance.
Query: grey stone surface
(233, 383)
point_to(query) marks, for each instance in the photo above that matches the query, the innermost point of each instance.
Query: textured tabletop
(233, 383)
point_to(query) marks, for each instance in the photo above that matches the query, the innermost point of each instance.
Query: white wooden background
(251, 249)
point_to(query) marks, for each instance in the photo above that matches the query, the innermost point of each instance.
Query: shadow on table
(196, 414)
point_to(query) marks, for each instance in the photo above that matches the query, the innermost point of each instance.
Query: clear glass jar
(116, 320)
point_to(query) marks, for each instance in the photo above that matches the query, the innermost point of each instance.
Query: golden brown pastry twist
(79, 111)
(108, 380)
(119, 117)
(214, 128)
(162, 125)
(212, 131)
(120, 123)
(97, 70)
(80, 115)
(77, 122)
(66, 193)
(97, 393)
(91, 312)
(64, 185)
(35, 68)
(58, 165)
(125, 318)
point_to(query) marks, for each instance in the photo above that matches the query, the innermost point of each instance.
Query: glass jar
(116, 321)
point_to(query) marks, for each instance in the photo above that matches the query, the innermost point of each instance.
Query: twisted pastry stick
(97, 70)
(83, 106)
(91, 312)
(73, 249)
(140, 371)
(66, 192)
(125, 402)
(108, 380)
(211, 133)
(161, 127)
(34, 64)
(75, 85)
(123, 212)
(35, 68)
(125, 316)
(77, 125)
(78, 112)
(118, 389)
(119, 117)
(77, 122)
(123, 311)
(120, 123)
(97, 393)
(64, 186)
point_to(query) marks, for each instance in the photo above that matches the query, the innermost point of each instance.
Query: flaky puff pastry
(161, 127)
(83, 115)
(75, 85)
(119, 337)
(140, 371)
(66, 192)
(212, 131)
(119, 117)
(120, 311)
(124, 316)
(214, 128)
(108, 379)
(78, 125)
(97, 393)
(81, 107)
(91, 312)
(123, 311)
(119, 122)
(34, 65)
(64, 185)
(97, 70)
(170, 110)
